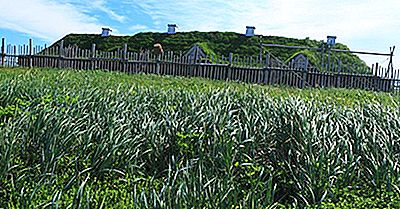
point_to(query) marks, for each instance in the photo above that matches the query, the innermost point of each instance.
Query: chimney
(331, 40)
(106, 32)
(172, 28)
(250, 31)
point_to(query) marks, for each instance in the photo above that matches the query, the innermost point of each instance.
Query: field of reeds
(78, 139)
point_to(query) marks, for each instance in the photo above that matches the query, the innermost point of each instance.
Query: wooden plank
(169, 64)
(61, 54)
(376, 77)
(79, 55)
(255, 75)
(229, 69)
(214, 72)
(386, 80)
(158, 64)
(269, 72)
(291, 77)
(250, 72)
(286, 75)
(243, 74)
(30, 53)
(14, 59)
(73, 55)
(396, 80)
(304, 75)
(380, 72)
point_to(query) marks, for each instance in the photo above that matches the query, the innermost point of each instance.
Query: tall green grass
(106, 140)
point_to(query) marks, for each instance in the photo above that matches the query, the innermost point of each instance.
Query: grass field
(75, 139)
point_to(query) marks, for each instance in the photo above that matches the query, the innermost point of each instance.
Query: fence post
(266, 70)
(125, 58)
(304, 77)
(3, 52)
(93, 57)
(338, 74)
(61, 54)
(376, 78)
(195, 62)
(229, 73)
(158, 64)
(30, 53)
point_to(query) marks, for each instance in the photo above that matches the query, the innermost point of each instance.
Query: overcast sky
(369, 25)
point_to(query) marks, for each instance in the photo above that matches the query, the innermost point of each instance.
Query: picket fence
(259, 70)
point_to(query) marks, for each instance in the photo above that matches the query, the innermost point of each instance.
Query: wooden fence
(260, 70)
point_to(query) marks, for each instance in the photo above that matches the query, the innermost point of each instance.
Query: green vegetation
(213, 43)
(97, 139)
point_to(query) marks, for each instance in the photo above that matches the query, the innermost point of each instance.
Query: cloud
(138, 27)
(101, 5)
(352, 21)
(362, 24)
(285, 17)
(45, 19)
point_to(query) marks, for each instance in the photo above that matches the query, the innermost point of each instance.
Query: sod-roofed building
(196, 53)
(302, 60)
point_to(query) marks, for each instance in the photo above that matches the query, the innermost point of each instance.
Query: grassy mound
(213, 43)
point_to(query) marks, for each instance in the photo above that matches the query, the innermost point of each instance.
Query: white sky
(361, 24)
